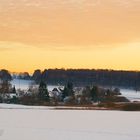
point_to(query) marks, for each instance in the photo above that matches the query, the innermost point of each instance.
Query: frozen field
(24, 123)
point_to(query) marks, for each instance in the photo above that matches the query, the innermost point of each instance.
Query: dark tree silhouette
(37, 76)
(14, 90)
(5, 75)
(87, 92)
(68, 90)
(5, 79)
(43, 92)
(95, 93)
(82, 77)
(24, 75)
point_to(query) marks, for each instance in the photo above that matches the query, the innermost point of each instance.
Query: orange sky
(69, 34)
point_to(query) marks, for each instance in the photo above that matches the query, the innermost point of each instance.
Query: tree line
(80, 77)
(40, 95)
(89, 77)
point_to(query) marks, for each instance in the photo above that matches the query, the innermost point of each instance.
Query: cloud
(70, 24)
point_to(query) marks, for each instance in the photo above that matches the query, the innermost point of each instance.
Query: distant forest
(82, 77)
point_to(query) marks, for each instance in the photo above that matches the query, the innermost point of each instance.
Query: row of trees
(41, 96)
(68, 94)
(80, 77)
(89, 77)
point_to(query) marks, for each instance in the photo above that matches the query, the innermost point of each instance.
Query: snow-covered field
(27, 123)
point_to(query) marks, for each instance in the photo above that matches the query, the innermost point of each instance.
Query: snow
(38, 123)
(131, 95)
(15, 106)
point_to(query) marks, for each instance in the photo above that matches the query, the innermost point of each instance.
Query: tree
(5, 79)
(94, 93)
(5, 75)
(86, 91)
(43, 92)
(44, 75)
(14, 90)
(37, 75)
(68, 90)
(24, 75)
(5, 87)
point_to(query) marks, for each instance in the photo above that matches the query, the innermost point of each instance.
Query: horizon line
(125, 70)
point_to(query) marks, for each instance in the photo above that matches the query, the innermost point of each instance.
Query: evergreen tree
(43, 92)
(94, 93)
(68, 90)
(14, 90)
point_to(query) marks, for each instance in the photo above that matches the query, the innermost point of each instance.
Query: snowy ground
(132, 95)
(23, 123)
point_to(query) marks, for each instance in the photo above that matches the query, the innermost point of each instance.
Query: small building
(56, 93)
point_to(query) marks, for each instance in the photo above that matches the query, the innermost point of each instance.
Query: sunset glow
(100, 34)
